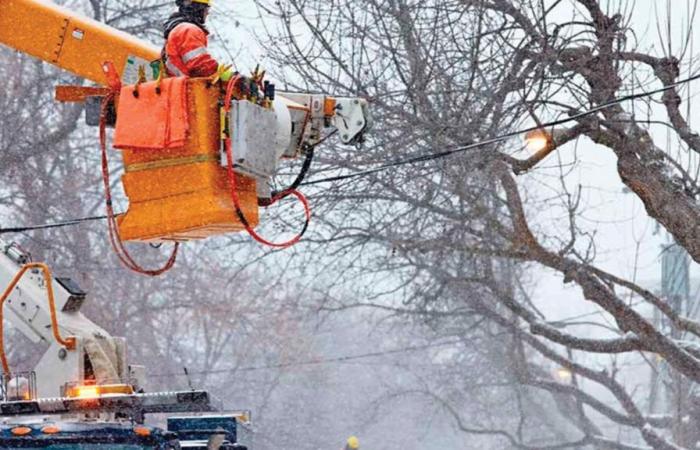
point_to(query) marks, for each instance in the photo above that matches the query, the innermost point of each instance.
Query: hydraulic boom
(71, 41)
(79, 350)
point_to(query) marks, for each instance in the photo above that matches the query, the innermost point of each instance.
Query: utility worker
(352, 444)
(185, 52)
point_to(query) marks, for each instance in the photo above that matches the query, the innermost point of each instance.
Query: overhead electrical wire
(419, 158)
(502, 137)
(63, 223)
(311, 362)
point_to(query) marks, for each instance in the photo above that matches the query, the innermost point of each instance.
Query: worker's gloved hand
(226, 74)
(223, 73)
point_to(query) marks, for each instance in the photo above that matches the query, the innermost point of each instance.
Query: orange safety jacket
(186, 52)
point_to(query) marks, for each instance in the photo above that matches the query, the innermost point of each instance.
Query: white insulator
(283, 132)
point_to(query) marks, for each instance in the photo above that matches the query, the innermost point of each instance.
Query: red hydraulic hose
(114, 238)
(68, 342)
(234, 192)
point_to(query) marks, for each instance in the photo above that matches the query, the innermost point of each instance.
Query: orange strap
(154, 119)
(68, 342)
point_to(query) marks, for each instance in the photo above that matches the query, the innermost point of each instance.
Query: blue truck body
(182, 433)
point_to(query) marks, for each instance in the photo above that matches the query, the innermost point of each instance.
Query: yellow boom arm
(71, 41)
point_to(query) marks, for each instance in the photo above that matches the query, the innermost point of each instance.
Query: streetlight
(538, 140)
(540, 143)
(564, 374)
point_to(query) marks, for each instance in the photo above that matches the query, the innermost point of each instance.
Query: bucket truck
(83, 391)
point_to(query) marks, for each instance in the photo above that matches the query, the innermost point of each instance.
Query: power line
(65, 223)
(312, 362)
(420, 158)
(502, 137)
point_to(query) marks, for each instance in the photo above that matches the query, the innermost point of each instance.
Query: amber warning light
(95, 391)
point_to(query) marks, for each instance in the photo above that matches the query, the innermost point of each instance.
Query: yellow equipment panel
(182, 194)
(70, 41)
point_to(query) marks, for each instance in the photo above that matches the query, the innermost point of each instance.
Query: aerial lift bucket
(179, 194)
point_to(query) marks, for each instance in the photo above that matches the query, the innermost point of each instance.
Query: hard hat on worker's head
(195, 10)
(353, 443)
(187, 3)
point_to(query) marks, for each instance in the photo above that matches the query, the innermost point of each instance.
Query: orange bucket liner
(153, 117)
(179, 194)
